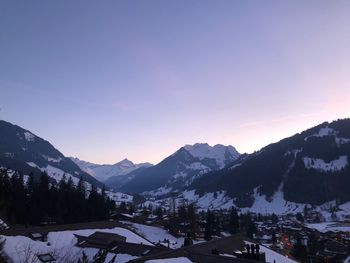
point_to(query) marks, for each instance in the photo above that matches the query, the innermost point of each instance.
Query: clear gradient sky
(105, 80)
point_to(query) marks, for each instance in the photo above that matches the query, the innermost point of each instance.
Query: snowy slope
(23, 151)
(220, 153)
(180, 169)
(170, 260)
(156, 235)
(103, 172)
(272, 256)
(23, 249)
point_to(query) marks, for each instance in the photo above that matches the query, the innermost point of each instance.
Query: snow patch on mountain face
(9, 155)
(58, 175)
(29, 136)
(218, 152)
(214, 201)
(341, 141)
(54, 172)
(159, 192)
(119, 197)
(50, 159)
(198, 166)
(326, 131)
(321, 165)
(323, 132)
(277, 205)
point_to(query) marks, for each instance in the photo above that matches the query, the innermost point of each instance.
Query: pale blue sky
(105, 80)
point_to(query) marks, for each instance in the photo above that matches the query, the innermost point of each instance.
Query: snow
(329, 226)
(180, 175)
(218, 152)
(3, 225)
(29, 136)
(58, 174)
(323, 132)
(50, 159)
(23, 249)
(105, 171)
(119, 197)
(9, 155)
(33, 165)
(209, 201)
(321, 165)
(272, 256)
(234, 166)
(218, 200)
(278, 204)
(198, 166)
(170, 260)
(326, 131)
(156, 235)
(160, 191)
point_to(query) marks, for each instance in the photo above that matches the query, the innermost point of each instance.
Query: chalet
(223, 250)
(333, 247)
(117, 244)
(101, 240)
(46, 258)
(37, 236)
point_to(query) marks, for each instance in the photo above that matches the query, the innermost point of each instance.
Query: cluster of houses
(283, 235)
(221, 250)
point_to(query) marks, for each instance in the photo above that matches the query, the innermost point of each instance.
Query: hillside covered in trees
(27, 201)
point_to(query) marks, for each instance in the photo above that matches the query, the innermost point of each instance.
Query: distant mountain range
(308, 168)
(179, 170)
(23, 151)
(103, 172)
(311, 167)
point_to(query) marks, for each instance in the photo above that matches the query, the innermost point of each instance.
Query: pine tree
(208, 226)
(299, 250)
(234, 221)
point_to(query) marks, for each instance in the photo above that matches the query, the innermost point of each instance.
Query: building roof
(202, 252)
(100, 240)
(46, 258)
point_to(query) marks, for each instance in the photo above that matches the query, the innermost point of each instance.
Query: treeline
(30, 202)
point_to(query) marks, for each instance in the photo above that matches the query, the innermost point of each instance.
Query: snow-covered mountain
(180, 169)
(103, 172)
(223, 155)
(23, 151)
(311, 167)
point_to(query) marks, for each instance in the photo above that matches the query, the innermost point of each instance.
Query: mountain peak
(125, 162)
(219, 152)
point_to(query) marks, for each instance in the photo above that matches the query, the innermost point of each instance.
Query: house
(46, 258)
(36, 236)
(98, 239)
(215, 251)
(117, 244)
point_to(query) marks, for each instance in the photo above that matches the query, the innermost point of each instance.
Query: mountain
(23, 151)
(311, 167)
(178, 171)
(105, 171)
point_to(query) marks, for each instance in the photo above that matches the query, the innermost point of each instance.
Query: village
(141, 234)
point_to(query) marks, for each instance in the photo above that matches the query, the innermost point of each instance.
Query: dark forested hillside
(310, 167)
(24, 201)
(23, 151)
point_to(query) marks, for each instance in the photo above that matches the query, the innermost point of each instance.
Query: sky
(108, 80)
